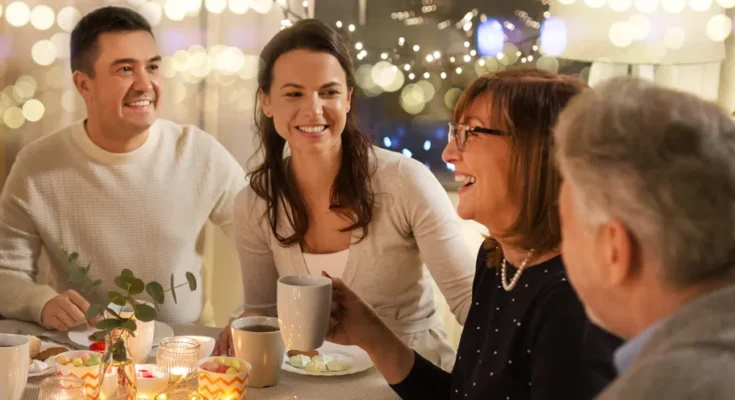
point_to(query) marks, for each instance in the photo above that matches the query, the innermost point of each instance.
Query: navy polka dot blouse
(533, 342)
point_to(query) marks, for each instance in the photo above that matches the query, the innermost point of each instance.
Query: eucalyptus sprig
(130, 288)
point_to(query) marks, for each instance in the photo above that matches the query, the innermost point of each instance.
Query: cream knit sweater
(142, 210)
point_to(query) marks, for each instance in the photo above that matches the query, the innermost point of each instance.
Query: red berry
(146, 373)
(98, 347)
(222, 369)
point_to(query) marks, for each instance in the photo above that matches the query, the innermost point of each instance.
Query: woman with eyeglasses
(526, 335)
(332, 202)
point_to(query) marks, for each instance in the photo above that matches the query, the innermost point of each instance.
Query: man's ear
(83, 84)
(618, 252)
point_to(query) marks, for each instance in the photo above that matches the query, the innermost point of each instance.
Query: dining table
(366, 385)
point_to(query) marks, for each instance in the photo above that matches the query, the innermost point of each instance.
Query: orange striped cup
(90, 375)
(224, 386)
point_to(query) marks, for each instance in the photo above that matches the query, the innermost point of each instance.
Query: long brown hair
(525, 103)
(352, 194)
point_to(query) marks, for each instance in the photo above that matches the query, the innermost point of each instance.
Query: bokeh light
(215, 6)
(199, 64)
(427, 88)
(175, 10)
(13, 117)
(230, 61)
(239, 7)
(180, 60)
(193, 7)
(595, 3)
(641, 26)
(152, 12)
(674, 38)
(726, 3)
(261, 6)
(719, 27)
(18, 14)
(67, 18)
(387, 76)
(43, 52)
(6, 97)
(548, 63)
(553, 36)
(42, 17)
(56, 77)
(33, 110)
(490, 37)
(178, 93)
(700, 5)
(61, 42)
(646, 6)
(451, 97)
(621, 5)
(69, 100)
(674, 6)
(136, 3)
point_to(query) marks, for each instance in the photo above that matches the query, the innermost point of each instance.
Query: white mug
(304, 305)
(142, 344)
(258, 341)
(14, 363)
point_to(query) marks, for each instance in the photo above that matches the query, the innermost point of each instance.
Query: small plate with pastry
(40, 353)
(329, 360)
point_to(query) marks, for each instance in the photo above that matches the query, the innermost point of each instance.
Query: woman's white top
(333, 263)
(414, 239)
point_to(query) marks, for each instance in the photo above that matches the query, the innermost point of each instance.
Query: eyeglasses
(460, 133)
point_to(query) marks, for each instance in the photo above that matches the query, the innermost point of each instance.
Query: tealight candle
(178, 356)
(61, 388)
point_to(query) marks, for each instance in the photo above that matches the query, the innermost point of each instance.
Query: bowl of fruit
(151, 380)
(225, 377)
(83, 364)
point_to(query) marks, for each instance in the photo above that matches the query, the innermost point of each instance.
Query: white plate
(355, 356)
(50, 369)
(80, 334)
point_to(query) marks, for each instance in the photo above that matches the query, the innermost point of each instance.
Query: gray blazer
(690, 356)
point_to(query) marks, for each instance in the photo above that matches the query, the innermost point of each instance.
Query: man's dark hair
(91, 26)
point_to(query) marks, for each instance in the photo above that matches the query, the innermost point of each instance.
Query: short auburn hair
(525, 104)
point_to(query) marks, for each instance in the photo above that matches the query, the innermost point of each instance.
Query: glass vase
(118, 358)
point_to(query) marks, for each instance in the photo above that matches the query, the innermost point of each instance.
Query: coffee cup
(14, 363)
(142, 344)
(258, 341)
(304, 306)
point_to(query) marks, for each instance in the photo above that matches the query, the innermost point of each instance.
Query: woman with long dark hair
(324, 199)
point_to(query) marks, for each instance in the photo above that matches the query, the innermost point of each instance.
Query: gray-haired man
(648, 226)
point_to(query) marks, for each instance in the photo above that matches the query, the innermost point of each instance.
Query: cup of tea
(304, 305)
(14, 361)
(258, 341)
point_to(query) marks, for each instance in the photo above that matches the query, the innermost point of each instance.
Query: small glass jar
(178, 356)
(61, 388)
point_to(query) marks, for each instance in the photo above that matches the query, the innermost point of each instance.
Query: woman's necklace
(510, 285)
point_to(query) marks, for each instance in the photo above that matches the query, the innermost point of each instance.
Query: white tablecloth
(365, 385)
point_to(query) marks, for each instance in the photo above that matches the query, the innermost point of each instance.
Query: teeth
(140, 103)
(312, 129)
(464, 178)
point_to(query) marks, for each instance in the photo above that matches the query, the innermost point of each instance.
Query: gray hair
(660, 162)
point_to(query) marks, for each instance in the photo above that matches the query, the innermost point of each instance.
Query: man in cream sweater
(122, 188)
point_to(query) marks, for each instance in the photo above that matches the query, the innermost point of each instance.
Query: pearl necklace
(510, 285)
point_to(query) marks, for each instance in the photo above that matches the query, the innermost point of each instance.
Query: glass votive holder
(180, 394)
(61, 388)
(178, 356)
